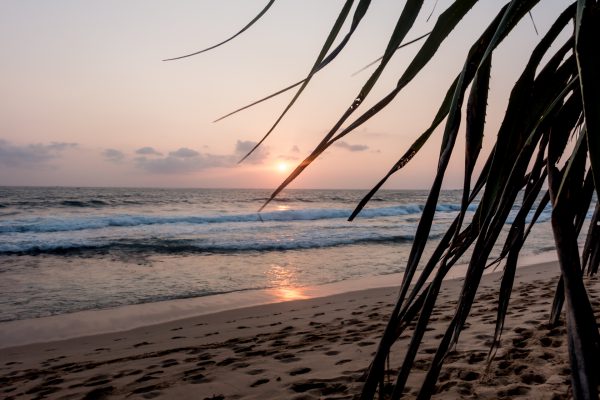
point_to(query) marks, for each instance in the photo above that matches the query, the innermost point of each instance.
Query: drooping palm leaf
(581, 325)
(444, 25)
(591, 249)
(423, 36)
(555, 99)
(322, 59)
(244, 29)
(293, 85)
(587, 32)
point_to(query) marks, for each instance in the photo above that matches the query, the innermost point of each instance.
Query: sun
(282, 167)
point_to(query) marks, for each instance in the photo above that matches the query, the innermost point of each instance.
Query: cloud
(287, 158)
(32, 154)
(148, 151)
(60, 146)
(184, 152)
(295, 149)
(186, 160)
(113, 155)
(257, 157)
(351, 147)
(175, 163)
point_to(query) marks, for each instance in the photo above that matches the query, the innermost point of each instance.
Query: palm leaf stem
(259, 16)
(321, 61)
(581, 325)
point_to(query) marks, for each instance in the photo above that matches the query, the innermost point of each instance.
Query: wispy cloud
(186, 160)
(287, 158)
(31, 155)
(148, 151)
(257, 157)
(113, 155)
(184, 152)
(351, 147)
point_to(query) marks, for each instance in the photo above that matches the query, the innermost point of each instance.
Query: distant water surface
(71, 249)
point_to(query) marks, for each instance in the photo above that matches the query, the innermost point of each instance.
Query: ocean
(64, 250)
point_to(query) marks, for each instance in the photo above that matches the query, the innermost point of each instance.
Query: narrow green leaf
(399, 47)
(514, 243)
(412, 150)
(259, 16)
(476, 113)
(321, 61)
(518, 115)
(445, 24)
(591, 249)
(293, 85)
(506, 178)
(581, 323)
(514, 13)
(587, 32)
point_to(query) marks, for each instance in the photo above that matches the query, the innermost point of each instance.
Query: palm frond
(587, 30)
(244, 29)
(555, 100)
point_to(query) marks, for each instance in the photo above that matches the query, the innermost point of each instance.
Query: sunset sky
(85, 99)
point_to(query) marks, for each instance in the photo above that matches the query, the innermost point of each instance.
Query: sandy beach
(304, 349)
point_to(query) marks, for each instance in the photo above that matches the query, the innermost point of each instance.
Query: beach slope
(305, 349)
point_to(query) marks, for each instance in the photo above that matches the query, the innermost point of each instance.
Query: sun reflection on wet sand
(287, 294)
(282, 280)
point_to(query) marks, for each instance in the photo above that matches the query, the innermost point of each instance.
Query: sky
(86, 100)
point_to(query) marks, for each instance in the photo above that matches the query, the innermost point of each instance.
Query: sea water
(70, 249)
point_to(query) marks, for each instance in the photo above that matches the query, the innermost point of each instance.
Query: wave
(282, 200)
(82, 203)
(190, 246)
(54, 224)
(36, 204)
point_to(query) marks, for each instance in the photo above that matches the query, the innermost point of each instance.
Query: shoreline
(307, 349)
(126, 318)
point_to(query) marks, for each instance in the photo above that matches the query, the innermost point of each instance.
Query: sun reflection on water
(282, 279)
(290, 293)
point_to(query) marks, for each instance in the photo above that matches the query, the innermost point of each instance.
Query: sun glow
(282, 167)
(290, 293)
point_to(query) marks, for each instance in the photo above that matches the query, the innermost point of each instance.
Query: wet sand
(304, 349)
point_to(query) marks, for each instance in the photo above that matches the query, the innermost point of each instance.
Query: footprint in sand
(468, 376)
(146, 390)
(531, 378)
(169, 363)
(286, 357)
(259, 382)
(196, 379)
(344, 361)
(255, 371)
(239, 365)
(226, 362)
(99, 393)
(127, 372)
(514, 391)
(97, 380)
(299, 371)
(148, 377)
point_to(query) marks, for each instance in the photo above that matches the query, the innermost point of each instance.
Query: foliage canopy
(555, 100)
